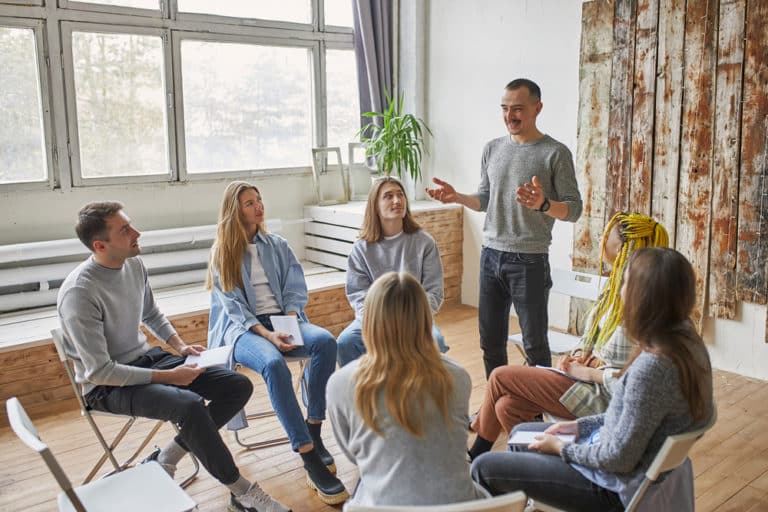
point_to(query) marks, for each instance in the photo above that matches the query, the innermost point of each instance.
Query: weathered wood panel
(620, 115)
(596, 59)
(753, 185)
(669, 92)
(592, 130)
(696, 144)
(725, 178)
(643, 108)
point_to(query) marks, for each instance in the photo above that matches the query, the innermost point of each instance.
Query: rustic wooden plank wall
(753, 210)
(725, 176)
(687, 139)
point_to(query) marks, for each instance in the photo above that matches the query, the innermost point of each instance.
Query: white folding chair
(66, 355)
(144, 487)
(513, 502)
(573, 284)
(240, 421)
(673, 453)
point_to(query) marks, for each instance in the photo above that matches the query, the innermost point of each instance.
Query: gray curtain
(373, 52)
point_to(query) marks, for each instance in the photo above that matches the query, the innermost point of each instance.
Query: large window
(149, 90)
(22, 141)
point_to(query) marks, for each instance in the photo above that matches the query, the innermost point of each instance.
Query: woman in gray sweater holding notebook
(665, 390)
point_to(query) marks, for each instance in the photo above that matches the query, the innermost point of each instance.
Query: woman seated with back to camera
(399, 412)
(665, 390)
(517, 394)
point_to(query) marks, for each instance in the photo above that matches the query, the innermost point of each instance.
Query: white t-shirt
(265, 299)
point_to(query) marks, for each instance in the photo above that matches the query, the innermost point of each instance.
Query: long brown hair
(658, 299)
(402, 359)
(231, 239)
(371, 230)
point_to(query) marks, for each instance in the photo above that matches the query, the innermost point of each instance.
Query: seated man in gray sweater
(390, 241)
(101, 305)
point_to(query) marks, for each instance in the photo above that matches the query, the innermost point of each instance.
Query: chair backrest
(64, 350)
(672, 454)
(513, 502)
(675, 450)
(576, 284)
(26, 431)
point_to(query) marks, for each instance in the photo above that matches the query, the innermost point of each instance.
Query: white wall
(47, 215)
(473, 50)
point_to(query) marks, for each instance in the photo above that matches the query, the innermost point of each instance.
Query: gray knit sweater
(647, 406)
(100, 310)
(399, 468)
(507, 165)
(415, 253)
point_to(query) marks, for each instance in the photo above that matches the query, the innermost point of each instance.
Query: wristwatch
(544, 206)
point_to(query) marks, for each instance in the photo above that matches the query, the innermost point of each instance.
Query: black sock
(479, 447)
(317, 440)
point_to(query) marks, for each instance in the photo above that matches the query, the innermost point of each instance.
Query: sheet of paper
(526, 437)
(288, 324)
(213, 357)
(561, 372)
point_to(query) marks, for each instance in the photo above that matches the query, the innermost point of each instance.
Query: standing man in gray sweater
(527, 180)
(101, 306)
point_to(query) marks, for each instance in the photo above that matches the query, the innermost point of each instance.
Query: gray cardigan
(399, 468)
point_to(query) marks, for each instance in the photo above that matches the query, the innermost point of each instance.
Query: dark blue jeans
(199, 424)
(545, 478)
(522, 280)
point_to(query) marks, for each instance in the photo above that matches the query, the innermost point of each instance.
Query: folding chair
(240, 420)
(672, 454)
(513, 502)
(144, 487)
(66, 355)
(572, 284)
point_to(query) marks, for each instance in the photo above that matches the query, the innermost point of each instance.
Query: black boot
(317, 440)
(320, 479)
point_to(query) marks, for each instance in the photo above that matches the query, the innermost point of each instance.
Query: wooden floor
(730, 462)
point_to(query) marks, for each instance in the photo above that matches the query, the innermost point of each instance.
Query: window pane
(141, 4)
(121, 115)
(298, 11)
(246, 106)
(22, 140)
(343, 98)
(338, 12)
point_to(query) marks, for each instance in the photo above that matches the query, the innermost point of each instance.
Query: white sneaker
(255, 500)
(169, 468)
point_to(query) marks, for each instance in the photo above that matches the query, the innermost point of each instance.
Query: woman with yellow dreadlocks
(517, 394)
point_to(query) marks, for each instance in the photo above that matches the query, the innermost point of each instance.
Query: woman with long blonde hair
(390, 241)
(399, 411)
(665, 390)
(252, 276)
(517, 394)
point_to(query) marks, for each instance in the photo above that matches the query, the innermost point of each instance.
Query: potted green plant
(395, 140)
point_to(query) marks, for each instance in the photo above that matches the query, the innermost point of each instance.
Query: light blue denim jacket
(232, 313)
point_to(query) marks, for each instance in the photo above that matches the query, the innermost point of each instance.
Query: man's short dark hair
(92, 221)
(533, 89)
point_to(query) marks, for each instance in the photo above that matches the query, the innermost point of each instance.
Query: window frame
(177, 37)
(78, 180)
(54, 22)
(42, 62)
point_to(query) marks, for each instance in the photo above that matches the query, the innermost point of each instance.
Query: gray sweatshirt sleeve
(564, 184)
(153, 318)
(484, 188)
(338, 405)
(432, 275)
(643, 409)
(358, 280)
(81, 319)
